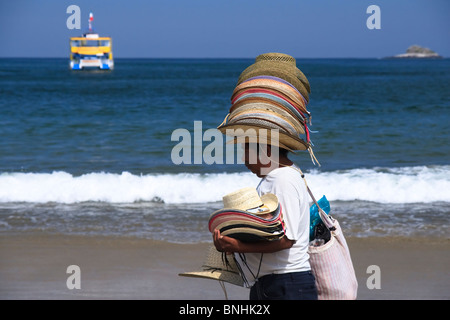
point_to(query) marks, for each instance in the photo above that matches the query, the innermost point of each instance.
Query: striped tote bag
(331, 263)
(332, 267)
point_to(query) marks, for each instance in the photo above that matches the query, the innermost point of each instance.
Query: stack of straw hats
(248, 217)
(271, 94)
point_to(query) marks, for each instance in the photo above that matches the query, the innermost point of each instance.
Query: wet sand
(35, 267)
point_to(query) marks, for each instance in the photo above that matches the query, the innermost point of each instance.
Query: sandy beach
(34, 267)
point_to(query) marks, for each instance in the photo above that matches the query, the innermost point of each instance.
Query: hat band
(277, 79)
(276, 94)
(265, 106)
(270, 124)
(255, 93)
(277, 122)
(259, 209)
(272, 85)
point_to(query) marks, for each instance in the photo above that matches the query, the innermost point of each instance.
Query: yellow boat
(91, 51)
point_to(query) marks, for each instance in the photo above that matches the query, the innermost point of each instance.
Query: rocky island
(417, 52)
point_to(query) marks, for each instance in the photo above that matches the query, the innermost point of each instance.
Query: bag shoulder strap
(327, 220)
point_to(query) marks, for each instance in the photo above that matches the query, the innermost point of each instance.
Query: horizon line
(234, 58)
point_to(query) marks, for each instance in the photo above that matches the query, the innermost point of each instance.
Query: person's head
(261, 159)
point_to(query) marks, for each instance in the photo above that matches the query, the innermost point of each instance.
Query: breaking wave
(420, 184)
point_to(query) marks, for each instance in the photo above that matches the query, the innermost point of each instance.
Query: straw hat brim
(253, 231)
(263, 101)
(252, 235)
(274, 86)
(239, 214)
(225, 222)
(214, 268)
(272, 120)
(225, 276)
(266, 110)
(233, 224)
(269, 200)
(285, 140)
(279, 144)
(222, 216)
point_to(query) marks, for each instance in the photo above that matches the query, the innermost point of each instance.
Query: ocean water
(90, 152)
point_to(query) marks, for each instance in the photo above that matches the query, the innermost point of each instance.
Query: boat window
(75, 43)
(92, 43)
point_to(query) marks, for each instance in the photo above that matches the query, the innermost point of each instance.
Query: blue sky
(228, 28)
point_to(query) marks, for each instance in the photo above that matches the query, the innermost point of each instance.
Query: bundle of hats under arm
(270, 94)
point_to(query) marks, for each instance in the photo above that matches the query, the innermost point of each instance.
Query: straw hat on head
(214, 267)
(274, 100)
(248, 200)
(271, 94)
(278, 65)
(273, 85)
(267, 110)
(260, 131)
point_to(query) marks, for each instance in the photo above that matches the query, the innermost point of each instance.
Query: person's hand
(224, 243)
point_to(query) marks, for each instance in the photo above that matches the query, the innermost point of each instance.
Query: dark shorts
(287, 286)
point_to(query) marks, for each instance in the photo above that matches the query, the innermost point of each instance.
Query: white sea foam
(419, 184)
(383, 185)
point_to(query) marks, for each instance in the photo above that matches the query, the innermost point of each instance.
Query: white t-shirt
(288, 185)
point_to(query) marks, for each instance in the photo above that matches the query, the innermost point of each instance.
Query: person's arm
(228, 244)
